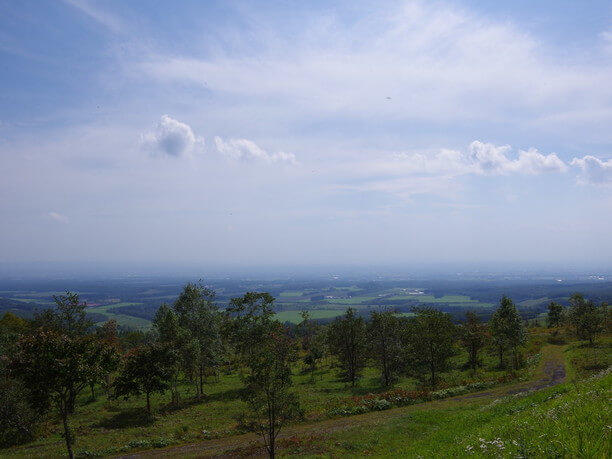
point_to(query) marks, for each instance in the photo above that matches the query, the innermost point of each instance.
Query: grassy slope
(569, 420)
(452, 424)
(103, 426)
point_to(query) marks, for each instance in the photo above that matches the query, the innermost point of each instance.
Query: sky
(259, 133)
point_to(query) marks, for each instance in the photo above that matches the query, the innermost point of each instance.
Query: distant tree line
(47, 362)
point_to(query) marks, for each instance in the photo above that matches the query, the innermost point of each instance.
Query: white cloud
(480, 158)
(170, 137)
(593, 170)
(58, 217)
(247, 150)
(489, 159)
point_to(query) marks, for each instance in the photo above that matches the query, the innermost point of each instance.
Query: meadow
(106, 427)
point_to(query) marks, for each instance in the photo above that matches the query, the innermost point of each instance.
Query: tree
(586, 318)
(171, 335)
(267, 386)
(68, 317)
(386, 347)
(473, 337)
(11, 327)
(18, 420)
(508, 331)
(555, 314)
(146, 369)
(55, 368)
(250, 318)
(313, 342)
(107, 341)
(347, 338)
(266, 352)
(431, 338)
(198, 313)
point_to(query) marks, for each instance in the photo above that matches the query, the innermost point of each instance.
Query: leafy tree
(173, 336)
(55, 368)
(347, 338)
(11, 326)
(555, 314)
(586, 318)
(313, 342)
(385, 342)
(508, 331)
(18, 421)
(431, 338)
(266, 351)
(68, 317)
(107, 342)
(198, 313)
(267, 386)
(474, 337)
(250, 319)
(146, 370)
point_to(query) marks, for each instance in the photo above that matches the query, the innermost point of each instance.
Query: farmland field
(295, 317)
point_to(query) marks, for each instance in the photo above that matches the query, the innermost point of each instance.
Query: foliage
(555, 315)
(586, 317)
(347, 338)
(385, 341)
(268, 356)
(313, 342)
(146, 370)
(18, 421)
(508, 331)
(267, 387)
(474, 337)
(68, 317)
(197, 313)
(55, 368)
(431, 338)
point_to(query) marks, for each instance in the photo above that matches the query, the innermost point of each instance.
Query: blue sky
(279, 132)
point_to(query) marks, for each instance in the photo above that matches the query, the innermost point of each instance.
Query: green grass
(563, 421)
(586, 360)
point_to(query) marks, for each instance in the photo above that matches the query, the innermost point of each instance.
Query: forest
(203, 372)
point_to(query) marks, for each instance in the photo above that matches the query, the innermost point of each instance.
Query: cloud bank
(479, 159)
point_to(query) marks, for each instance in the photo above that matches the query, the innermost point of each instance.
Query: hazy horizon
(229, 135)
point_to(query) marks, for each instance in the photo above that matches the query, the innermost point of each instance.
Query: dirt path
(551, 371)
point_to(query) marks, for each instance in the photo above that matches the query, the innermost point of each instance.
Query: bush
(18, 421)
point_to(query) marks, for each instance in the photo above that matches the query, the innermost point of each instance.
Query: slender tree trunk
(148, 403)
(201, 379)
(70, 401)
(433, 374)
(501, 357)
(67, 433)
(93, 390)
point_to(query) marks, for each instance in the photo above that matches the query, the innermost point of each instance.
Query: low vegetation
(95, 390)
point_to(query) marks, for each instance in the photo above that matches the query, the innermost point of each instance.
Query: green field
(296, 317)
(122, 319)
(352, 300)
(291, 293)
